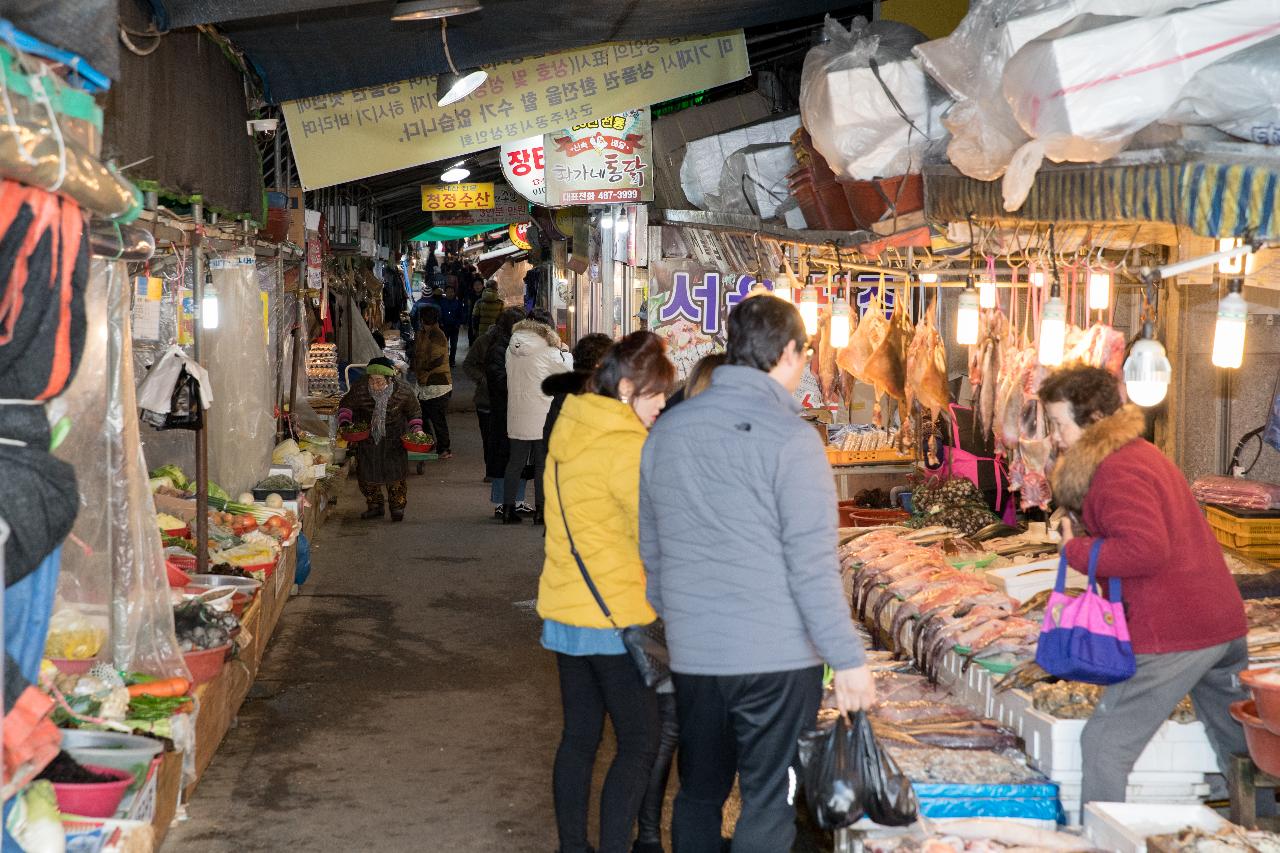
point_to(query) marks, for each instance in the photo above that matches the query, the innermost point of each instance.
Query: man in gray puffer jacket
(738, 535)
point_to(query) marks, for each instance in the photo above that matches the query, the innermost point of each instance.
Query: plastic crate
(1240, 532)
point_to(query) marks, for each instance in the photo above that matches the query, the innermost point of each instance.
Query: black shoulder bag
(647, 644)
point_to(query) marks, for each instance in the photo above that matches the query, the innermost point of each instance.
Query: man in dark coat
(453, 314)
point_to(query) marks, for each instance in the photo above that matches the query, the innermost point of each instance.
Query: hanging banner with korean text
(507, 207)
(608, 160)
(524, 167)
(436, 197)
(370, 131)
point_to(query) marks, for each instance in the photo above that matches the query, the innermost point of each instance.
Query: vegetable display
(278, 482)
(418, 437)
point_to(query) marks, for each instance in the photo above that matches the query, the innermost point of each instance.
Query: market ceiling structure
(303, 48)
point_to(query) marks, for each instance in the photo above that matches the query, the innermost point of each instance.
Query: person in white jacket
(535, 352)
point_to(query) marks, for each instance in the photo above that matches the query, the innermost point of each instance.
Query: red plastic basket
(354, 437)
(414, 447)
(93, 799)
(205, 665)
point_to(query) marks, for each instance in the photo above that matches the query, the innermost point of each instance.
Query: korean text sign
(607, 160)
(689, 306)
(362, 132)
(457, 197)
(507, 207)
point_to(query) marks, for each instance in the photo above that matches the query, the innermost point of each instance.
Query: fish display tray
(857, 457)
(1241, 531)
(1125, 827)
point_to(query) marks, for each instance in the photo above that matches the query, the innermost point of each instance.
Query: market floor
(404, 703)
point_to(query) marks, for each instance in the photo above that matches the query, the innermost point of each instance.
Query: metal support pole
(298, 331)
(202, 434)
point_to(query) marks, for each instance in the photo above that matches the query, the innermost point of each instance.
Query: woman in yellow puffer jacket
(592, 483)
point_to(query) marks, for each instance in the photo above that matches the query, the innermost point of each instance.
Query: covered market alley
(871, 361)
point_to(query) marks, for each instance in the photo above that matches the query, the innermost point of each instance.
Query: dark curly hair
(1093, 393)
(640, 357)
(588, 351)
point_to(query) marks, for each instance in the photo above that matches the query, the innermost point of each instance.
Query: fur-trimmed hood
(1072, 477)
(541, 330)
(573, 382)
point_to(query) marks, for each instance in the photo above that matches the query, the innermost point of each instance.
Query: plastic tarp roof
(450, 232)
(302, 49)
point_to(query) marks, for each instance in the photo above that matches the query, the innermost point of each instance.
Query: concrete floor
(405, 703)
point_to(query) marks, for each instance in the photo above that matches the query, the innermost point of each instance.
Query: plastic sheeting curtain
(115, 563)
(242, 420)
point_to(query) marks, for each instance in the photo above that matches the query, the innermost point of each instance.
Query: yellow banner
(371, 131)
(437, 197)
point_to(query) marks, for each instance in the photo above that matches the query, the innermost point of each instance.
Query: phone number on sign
(599, 196)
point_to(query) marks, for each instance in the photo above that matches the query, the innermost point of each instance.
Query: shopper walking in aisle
(1185, 616)
(473, 366)
(558, 386)
(453, 314)
(738, 533)
(592, 493)
(435, 380)
(488, 307)
(535, 352)
(390, 408)
(471, 295)
(495, 370)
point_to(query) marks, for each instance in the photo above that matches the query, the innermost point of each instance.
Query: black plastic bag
(846, 776)
(185, 409)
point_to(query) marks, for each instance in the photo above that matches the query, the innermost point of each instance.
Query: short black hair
(542, 316)
(760, 329)
(588, 351)
(379, 340)
(508, 318)
(429, 315)
(1093, 393)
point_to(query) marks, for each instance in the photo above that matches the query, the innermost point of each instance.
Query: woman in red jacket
(1185, 614)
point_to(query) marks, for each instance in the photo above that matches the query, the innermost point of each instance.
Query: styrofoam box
(1127, 73)
(1125, 827)
(1016, 32)
(1023, 582)
(855, 95)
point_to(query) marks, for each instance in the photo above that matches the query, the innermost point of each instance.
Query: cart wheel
(422, 467)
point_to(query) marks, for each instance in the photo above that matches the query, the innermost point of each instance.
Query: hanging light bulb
(1242, 264)
(1037, 279)
(841, 320)
(1146, 370)
(1099, 290)
(928, 278)
(209, 308)
(1053, 330)
(1229, 331)
(782, 286)
(967, 317)
(809, 309)
(986, 294)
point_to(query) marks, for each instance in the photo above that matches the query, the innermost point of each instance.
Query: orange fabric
(31, 740)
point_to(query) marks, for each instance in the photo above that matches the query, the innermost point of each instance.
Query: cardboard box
(293, 217)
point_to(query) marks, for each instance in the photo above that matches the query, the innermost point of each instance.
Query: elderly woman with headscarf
(391, 409)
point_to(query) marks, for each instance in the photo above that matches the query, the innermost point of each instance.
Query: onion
(274, 501)
(245, 498)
